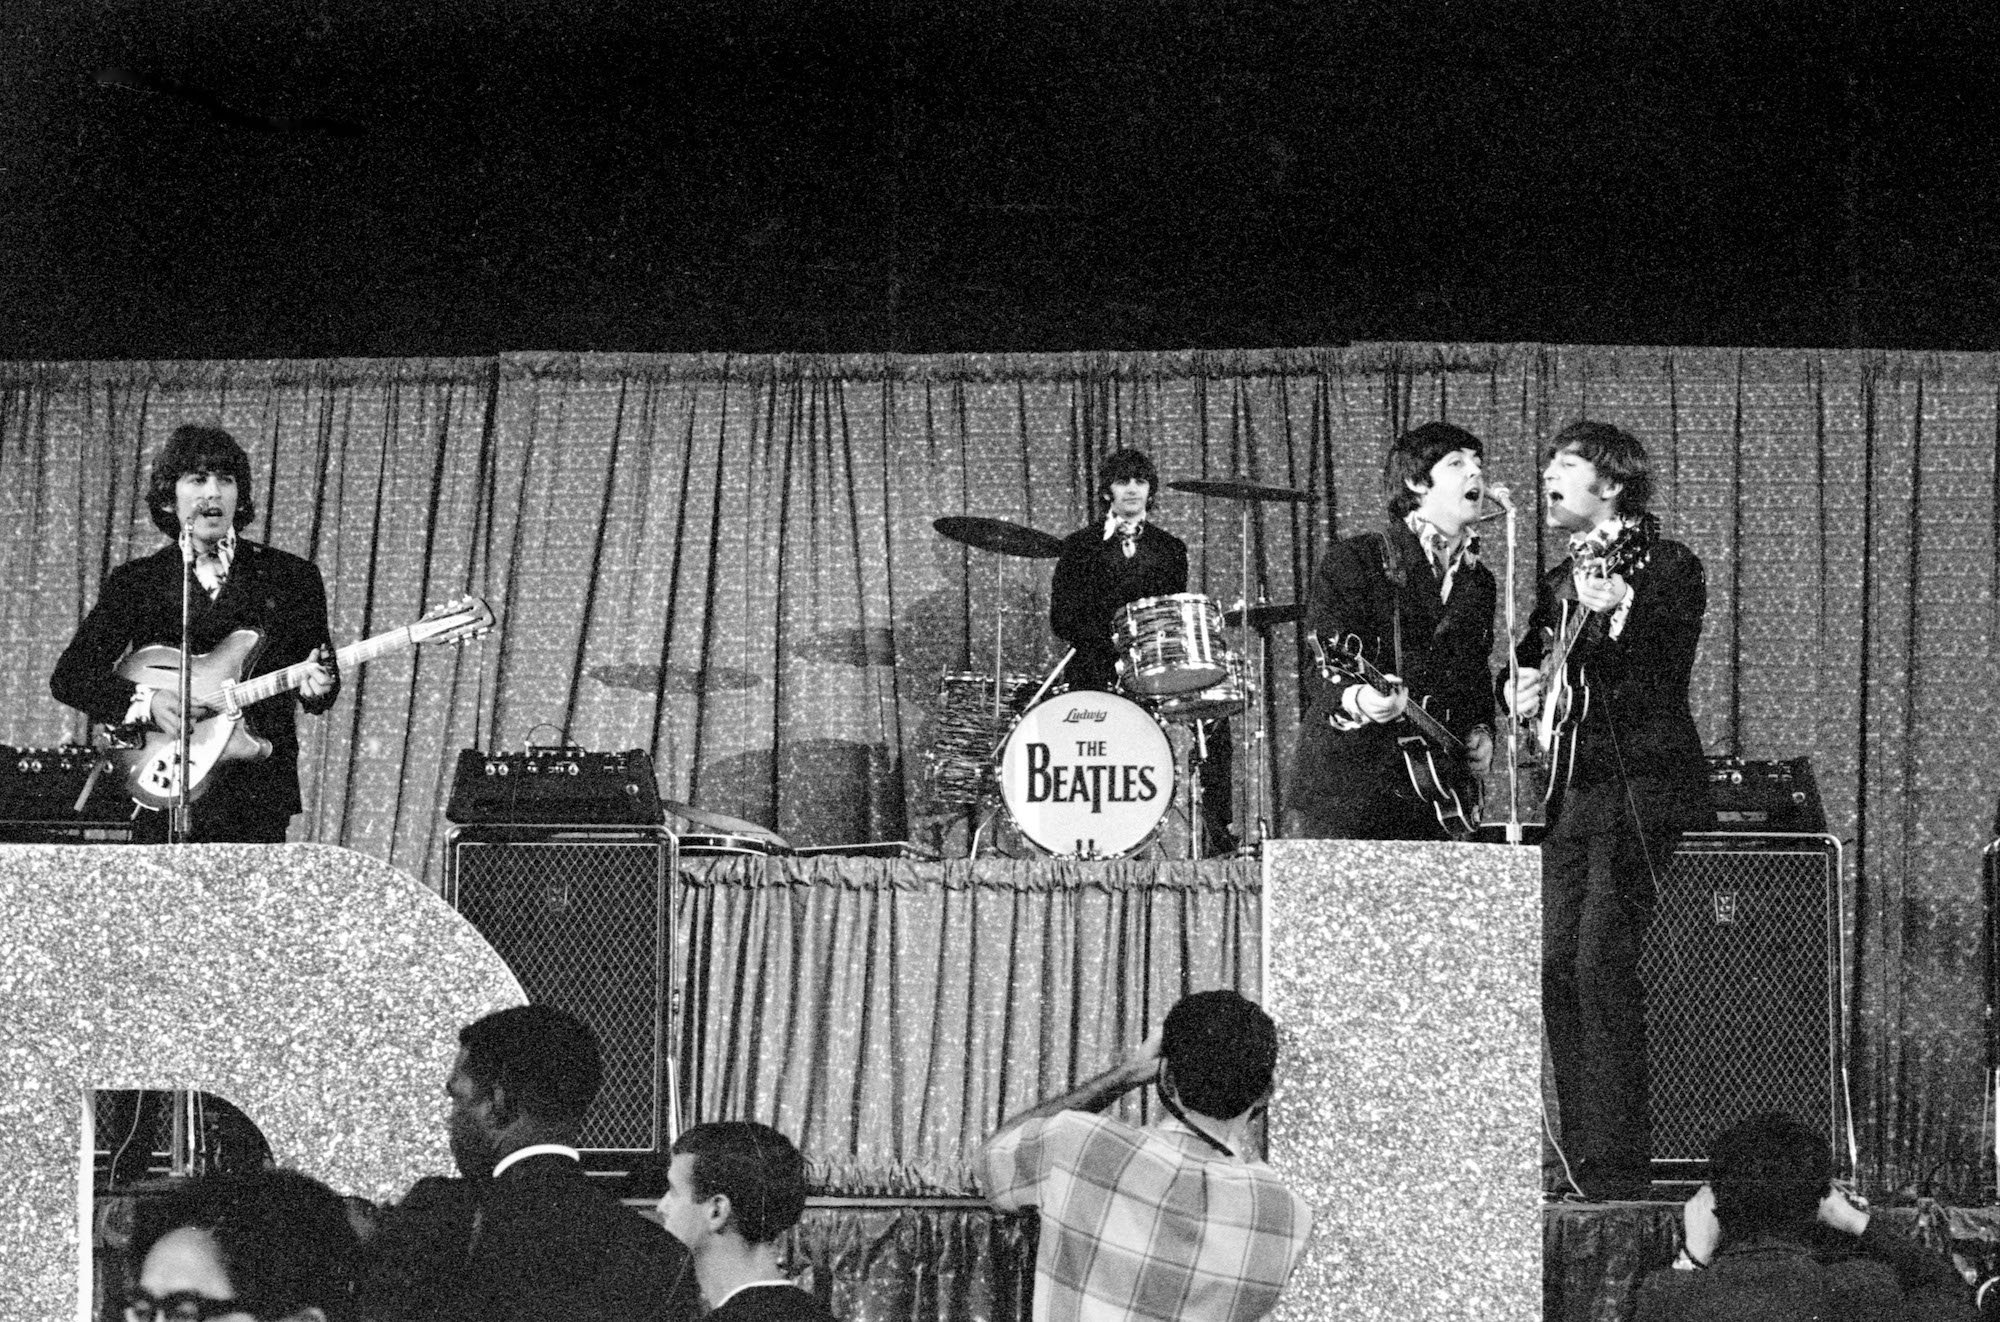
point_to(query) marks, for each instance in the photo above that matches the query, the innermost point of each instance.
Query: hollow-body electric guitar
(215, 683)
(1567, 699)
(1434, 757)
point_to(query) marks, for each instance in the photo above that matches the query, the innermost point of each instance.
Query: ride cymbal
(999, 535)
(1238, 488)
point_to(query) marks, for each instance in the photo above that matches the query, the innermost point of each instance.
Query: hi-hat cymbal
(1238, 488)
(720, 822)
(999, 535)
(1265, 614)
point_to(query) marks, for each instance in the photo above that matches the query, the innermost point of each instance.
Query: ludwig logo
(1083, 714)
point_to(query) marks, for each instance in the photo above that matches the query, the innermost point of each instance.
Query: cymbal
(1238, 488)
(715, 821)
(1265, 614)
(999, 535)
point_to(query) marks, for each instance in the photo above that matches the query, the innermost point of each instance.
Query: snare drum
(964, 731)
(1218, 700)
(1172, 644)
(1087, 775)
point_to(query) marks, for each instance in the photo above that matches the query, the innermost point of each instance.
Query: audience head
(1618, 458)
(1769, 1173)
(1127, 465)
(733, 1177)
(1413, 456)
(524, 1075)
(197, 450)
(1217, 1053)
(277, 1243)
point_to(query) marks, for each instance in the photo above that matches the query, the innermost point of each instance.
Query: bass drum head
(1087, 775)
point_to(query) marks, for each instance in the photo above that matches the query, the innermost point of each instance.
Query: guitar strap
(1392, 569)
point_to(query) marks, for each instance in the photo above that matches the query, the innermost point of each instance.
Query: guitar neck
(1416, 714)
(283, 681)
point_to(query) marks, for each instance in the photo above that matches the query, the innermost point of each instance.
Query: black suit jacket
(1446, 646)
(271, 591)
(550, 1247)
(1638, 726)
(1093, 578)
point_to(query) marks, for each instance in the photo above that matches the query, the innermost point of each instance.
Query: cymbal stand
(1257, 827)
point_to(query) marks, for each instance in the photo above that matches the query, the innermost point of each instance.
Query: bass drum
(1087, 775)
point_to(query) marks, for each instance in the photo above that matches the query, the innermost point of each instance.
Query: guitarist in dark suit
(200, 497)
(1420, 605)
(1629, 779)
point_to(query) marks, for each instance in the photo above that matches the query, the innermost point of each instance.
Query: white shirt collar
(536, 1150)
(752, 1285)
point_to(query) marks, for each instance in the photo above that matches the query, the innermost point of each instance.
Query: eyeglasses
(142, 1305)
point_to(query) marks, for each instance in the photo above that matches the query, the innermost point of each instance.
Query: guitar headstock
(457, 621)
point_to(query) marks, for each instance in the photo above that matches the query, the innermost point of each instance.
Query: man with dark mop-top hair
(1177, 1220)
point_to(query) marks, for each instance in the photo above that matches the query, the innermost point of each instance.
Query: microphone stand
(1515, 835)
(181, 824)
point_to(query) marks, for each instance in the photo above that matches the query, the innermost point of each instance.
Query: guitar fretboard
(270, 685)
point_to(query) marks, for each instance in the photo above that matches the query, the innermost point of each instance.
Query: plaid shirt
(1146, 1223)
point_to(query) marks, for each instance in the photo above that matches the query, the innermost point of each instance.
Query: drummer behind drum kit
(1084, 774)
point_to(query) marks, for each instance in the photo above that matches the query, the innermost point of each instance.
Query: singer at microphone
(200, 497)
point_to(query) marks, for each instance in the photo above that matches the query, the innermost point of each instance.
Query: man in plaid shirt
(1174, 1221)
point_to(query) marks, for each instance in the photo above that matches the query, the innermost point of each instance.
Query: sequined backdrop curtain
(730, 562)
(889, 1014)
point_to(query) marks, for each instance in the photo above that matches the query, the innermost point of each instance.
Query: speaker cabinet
(584, 918)
(1743, 973)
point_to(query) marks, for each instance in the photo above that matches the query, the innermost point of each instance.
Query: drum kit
(1084, 774)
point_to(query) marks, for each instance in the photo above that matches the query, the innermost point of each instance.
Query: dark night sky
(292, 179)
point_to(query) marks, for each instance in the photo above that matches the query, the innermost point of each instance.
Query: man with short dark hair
(734, 1188)
(1770, 1237)
(1176, 1220)
(1628, 779)
(523, 1236)
(1416, 603)
(200, 496)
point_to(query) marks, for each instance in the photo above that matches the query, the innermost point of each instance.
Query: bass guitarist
(200, 497)
(1415, 603)
(1627, 779)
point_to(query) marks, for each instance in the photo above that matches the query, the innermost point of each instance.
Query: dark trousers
(217, 821)
(1599, 864)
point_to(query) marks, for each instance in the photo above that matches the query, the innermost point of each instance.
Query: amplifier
(555, 786)
(45, 785)
(1775, 797)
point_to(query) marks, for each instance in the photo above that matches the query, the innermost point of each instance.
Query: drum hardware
(1264, 614)
(1249, 492)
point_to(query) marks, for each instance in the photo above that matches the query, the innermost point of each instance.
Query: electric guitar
(1566, 700)
(1433, 756)
(151, 767)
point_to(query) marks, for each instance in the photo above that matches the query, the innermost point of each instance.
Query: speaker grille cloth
(579, 924)
(1742, 1011)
